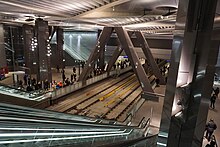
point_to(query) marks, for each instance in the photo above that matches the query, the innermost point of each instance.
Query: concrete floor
(156, 109)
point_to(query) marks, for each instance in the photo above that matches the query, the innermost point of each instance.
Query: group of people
(121, 64)
(31, 84)
(211, 125)
(72, 77)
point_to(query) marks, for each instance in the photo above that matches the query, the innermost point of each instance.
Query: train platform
(57, 76)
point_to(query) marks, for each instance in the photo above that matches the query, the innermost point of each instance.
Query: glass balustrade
(34, 95)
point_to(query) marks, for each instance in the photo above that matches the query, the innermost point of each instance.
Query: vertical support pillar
(3, 62)
(196, 71)
(149, 56)
(216, 35)
(173, 73)
(132, 55)
(44, 67)
(28, 53)
(101, 59)
(59, 52)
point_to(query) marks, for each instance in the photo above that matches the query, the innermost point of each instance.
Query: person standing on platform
(25, 79)
(74, 76)
(74, 69)
(58, 68)
(71, 78)
(157, 82)
(216, 91)
(210, 128)
(63, 75)
(212, 99)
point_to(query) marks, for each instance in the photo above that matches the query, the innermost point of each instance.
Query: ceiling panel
(91, 14)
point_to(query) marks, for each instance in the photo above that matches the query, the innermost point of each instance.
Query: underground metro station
(109, 73)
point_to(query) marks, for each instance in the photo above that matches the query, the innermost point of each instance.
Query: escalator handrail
(45, 117)
(128, 143)
(21, 90)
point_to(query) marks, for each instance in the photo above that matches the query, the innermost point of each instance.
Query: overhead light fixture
(29, 19)
(146, 10)
(169, 10)
(169, 13)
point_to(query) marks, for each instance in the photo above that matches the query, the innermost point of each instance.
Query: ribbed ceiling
(90, 14)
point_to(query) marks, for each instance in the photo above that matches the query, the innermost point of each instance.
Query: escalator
(13, 95)
(25, 127)
(79, 45)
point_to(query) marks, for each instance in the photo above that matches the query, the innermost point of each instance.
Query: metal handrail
(35, 94)
(129, 142)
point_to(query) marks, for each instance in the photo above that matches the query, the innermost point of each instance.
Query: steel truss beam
(95, 54)
(115, 56)
(128, 47)
(133, 57)
(149, 56)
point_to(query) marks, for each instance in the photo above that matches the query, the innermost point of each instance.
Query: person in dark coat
(71, 78)
(212, 99)
(157, 82)
(216, 91)
(210, 128)
(74, 69)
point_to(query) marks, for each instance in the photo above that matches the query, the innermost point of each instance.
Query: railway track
(72, 101)
(115, 106)
(102, 96)
(109, 100)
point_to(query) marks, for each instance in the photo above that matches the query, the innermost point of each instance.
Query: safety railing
(34, 95)
(69, 89)
(148, 141)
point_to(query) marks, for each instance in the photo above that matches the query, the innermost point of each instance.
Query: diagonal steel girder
(102, 41)
(132, 55)
(149, 56)
(115, 56)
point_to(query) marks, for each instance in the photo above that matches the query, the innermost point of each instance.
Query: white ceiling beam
(112, 14)
(33, 9)
(107, 1)
(100, 2)
(115, 3)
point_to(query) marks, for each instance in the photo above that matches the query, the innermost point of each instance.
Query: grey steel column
(59, 51)
(216, 35)
(102, 41)
(149, 56)
(28, 53)
(44, 67)
(133, 58)
(101, 59)
(195, 77)
(2, 48)
(173, 72)
(115, 56)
